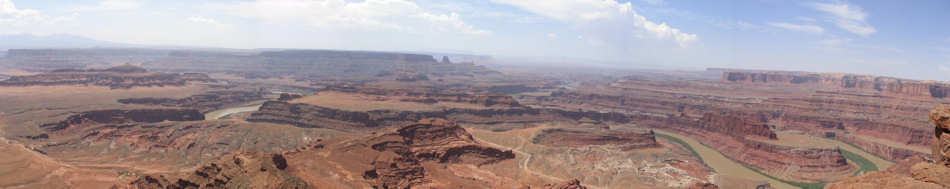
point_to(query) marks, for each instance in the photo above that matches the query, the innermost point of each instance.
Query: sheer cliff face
(884, 85)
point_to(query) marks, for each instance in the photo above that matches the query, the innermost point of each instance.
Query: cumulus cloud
(807, 28)
(848, 17)
(10, 14)
(386, 15)
(609, 12)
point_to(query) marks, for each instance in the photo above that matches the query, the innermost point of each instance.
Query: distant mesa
(119, 77)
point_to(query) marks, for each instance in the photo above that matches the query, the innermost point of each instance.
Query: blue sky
(896, 38)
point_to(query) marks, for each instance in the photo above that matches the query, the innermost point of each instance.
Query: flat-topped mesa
(124, 77)
(888, 86)
(124, 116)
(314, 64)
(627, 140)
(45, 60)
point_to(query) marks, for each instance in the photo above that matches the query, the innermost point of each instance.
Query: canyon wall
(884, 85)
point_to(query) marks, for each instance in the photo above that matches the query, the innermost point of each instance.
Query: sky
(909, 39)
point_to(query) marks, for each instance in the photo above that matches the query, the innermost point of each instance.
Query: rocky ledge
(120, 77)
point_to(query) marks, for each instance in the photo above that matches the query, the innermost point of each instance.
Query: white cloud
(807, 28)
(943, 68)
(609, 13)
(552, 35)
(848, 17)
(452, 22)
(201, 19)
(110, 5)
(386, 15)
(10, 14)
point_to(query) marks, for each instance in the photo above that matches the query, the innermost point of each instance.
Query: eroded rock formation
(436, 140)
(121, 77)
(239, 169)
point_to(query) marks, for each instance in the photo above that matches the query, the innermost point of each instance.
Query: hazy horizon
(900, 39)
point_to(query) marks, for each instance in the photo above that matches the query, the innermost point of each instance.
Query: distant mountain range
(23, 41)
